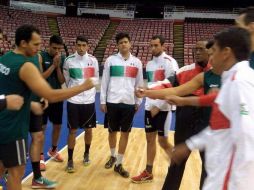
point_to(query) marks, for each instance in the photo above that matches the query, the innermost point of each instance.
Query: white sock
(113, 150)
(119, 159)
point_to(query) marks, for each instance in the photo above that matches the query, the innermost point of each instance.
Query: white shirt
(120, 79)
(236, 101)
(158, 69)
(76, 70)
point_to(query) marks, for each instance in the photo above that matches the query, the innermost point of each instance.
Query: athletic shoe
(119, 169)
(55, 155)
(43, 183)
(70, 167)
(5, 176)
(86, 160)
(42, 164)
(144, 177)
(110, 163)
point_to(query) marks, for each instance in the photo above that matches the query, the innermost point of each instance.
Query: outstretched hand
(174, 100)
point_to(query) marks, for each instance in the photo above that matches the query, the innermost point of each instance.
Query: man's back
(10, 65)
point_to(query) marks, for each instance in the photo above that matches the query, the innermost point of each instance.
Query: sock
(36, 170)
(119, 159)
(54, 148)
(113, 150)
(70, 154)
(87, 148)
(149, 168)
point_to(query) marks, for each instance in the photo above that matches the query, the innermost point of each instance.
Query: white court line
(28, 176)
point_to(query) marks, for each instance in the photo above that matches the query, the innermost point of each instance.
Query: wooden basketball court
(96, 177)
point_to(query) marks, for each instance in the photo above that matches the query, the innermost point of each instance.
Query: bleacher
(196, 30)
(11, 19)
(71, 27)
(141, 32)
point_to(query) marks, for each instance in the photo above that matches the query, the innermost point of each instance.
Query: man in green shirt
(19, 76)
(52, 64)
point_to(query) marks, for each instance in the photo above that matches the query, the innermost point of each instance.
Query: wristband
(3, 102)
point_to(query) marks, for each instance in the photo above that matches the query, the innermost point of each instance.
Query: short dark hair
(82, 39)
(249, 15)
(161, 38)
(238, 39)
(56, 40)
(209, 44)
(25, 32)
(122, 35)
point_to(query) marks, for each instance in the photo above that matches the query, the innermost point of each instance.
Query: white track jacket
(158, 69)
(76, 70)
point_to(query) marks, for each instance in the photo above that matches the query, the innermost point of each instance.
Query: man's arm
(59, 72)
(32, 77)
(182, 90)
(139, 82)
(66, 72)
(104, 86)
(49, 71)
(40, 63)
(11, 102)
(36, 108)
(204, 100)
(97, 75)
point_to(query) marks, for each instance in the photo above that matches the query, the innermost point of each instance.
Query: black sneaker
(86, 160)
(70, 167)
(119, 169)
(110, 162)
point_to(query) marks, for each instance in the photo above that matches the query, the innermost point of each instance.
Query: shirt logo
(148, 126)
(4, 70)
(132, 64)
(244, 109)
(213, 85)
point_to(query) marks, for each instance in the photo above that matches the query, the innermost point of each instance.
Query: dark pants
(189, 121)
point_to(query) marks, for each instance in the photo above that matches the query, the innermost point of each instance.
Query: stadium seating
(194, 31)
(141, 32)
(71, 27)
(11, 19)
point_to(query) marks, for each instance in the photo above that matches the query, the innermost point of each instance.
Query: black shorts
(119, 117)
(35, 123)
(54, 113)
(81, 115)
(14, 153)
(160, 122)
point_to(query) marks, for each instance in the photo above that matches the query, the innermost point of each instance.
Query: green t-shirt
(13, 124)
(211, 80)
(47, 61)
(35, 61)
